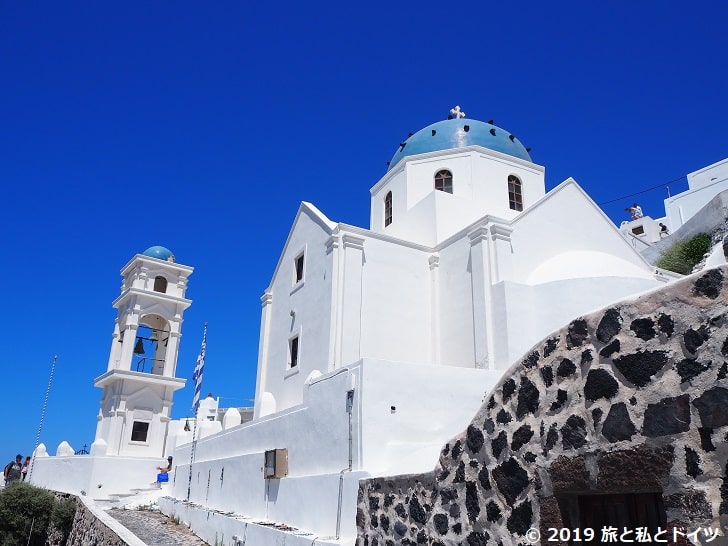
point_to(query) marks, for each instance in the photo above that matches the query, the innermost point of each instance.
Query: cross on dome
(457, 113)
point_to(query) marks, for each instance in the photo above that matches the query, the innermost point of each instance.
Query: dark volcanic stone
(724, 493)
(522, 436)
(492, 512)
(421, 537)
(618, 426)
(483, 478)
(706, 438)
(459, 473)
(561, 397)
(609, 350)
(724, 348)
(400, 528)
(643, 328)
(529, 457)
(691, 503)
(373, 521)
(475, 439)
(636, 469)
(401, 512)
(499, 443)
(600, 384)
(417, 513)
(573, 433)
(473, 463)
(710, 284)
(547, 374)
(503, 417)
(577, 334)
(388, 500)
(448, 494)
(511, 479)
(586, 357)
(692, 463)
(569, 474)
(552, 436)
(472, 504)
(668, 416)
(713, 407)
(491, 402)
(550, 517)
(521, 518)
(384, 522)
(596, 416)
(633, 400)
(373, 503)
(509, 387)
(665, 324)
(550, 346)
(723, 372)
(531, 360)
(695, 338)
(457, 449)
(566, 368)
(527, 398)
(441, 523)
(478, 539)
(638, 368)
(609, 326)
(489, 426)
(689, 368)
(457, 528)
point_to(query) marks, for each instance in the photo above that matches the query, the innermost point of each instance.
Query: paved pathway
(156, 529)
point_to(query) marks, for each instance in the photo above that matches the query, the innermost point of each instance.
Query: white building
(378, 345)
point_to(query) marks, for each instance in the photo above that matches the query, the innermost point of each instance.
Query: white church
(377, 345)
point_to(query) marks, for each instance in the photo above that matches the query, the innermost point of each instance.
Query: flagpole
(197, 377)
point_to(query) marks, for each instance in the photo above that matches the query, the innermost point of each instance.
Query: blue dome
(160, 253)
(458, 133)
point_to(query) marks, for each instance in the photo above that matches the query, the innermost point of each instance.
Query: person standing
(13, 470)
(26, 467)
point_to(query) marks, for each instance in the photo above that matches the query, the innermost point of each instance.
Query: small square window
(139, 431)
(293, 352)
(299, 269)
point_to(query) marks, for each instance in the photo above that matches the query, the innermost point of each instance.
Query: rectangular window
(139, 431)
(293, 352)
(639, 230)
(299, 269)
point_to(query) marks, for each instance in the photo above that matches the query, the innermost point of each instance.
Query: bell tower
(140, 378)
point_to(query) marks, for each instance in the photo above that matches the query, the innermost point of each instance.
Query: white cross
(456, 113)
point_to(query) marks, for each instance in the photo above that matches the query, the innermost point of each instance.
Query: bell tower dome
(140, 378)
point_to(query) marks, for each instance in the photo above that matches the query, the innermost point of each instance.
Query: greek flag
(199, 368)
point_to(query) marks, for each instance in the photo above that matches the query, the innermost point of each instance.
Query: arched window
(515, 195)
(443, 181)
(160, 284)
(388, 209)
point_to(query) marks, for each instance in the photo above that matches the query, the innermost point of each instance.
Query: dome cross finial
(457, 113)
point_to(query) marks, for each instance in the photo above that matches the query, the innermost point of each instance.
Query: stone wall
(630, 399)
(89, 529)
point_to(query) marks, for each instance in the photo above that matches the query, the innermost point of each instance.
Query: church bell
(139, 347)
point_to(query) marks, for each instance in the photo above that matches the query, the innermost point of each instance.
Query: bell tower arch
(140, 379)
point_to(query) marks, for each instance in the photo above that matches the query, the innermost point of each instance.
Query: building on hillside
(378, 345)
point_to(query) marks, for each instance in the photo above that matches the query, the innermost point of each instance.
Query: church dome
(160, 253)
(457, 133)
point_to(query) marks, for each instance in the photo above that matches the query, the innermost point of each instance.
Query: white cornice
(152, 295)
(155, 263)
(174, 383)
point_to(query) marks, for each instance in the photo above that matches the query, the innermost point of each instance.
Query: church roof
(160, 253)
(458, 133)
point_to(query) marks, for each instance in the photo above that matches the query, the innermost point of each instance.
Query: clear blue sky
(202, 126)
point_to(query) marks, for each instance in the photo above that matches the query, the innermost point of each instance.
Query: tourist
(663, 230)
(636, 212)
(26, 467)
(166, 469)
(13, 470)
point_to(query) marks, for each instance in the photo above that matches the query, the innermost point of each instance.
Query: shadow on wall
(619, 420)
